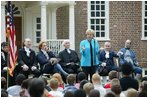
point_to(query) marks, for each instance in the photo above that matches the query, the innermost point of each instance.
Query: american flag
(10, 33)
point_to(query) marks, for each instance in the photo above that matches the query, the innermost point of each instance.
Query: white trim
(88, 13)
(143, 16)
(106, 38)
(43, 21)
(72, 25)
(3, 26)
(107, 19)
(53, 22)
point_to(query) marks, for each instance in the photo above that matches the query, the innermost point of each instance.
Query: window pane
(145, 13)
(102, 7)
(145, 34)
(145, 21)
(93, 27)
(97, 34)
(102, 2)
(97, 21)
(102, 34)
(145, 27)
(38, 40)
(103, 27)
(38, 34)
(102, 21)
(38, 26)
(97, 2)
(92, 7)
(92, 2)
(102, 14)
(38, 20)
(146, 7)
(97, 27)
(97, 14)
(145, 2)
(92, 21)
(92, 14)
(97, 7)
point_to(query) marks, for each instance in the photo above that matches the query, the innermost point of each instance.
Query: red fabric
(49, 95)
(61, 85)
(107, 85)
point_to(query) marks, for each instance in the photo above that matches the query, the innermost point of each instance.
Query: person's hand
(25, 67)
(53, 61)
(68, 64)
(120, 53)
(5, 68)
(72, 63)
(103, 64)
(83, 48)
(33, 68)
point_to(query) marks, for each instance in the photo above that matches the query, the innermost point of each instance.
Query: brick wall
(80, 22)
(124, 23)
(62, 22)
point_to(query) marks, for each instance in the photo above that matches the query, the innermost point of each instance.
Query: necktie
(68, 51)
(46, 55)
(27, 51)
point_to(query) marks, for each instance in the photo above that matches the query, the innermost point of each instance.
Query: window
(38, 29)
(144, 20)
(98, 18)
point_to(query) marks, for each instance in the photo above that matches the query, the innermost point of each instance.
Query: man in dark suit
(69, 59)
(4, 54)
(106, 57)
(48, 61)
(27, 60)
(4, 59)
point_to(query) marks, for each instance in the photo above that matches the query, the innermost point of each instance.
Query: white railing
(55, 45)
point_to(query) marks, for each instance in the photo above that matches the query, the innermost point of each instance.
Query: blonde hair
(58, 77)
(132, 93)
(88, 87)
(96, 78)
(41, 43)
(90, 31)
(114, 81)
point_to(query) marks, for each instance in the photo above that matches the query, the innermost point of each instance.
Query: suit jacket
(41, 58)
(24, 59)
(102, 57)
(65, 57)
(3, 60)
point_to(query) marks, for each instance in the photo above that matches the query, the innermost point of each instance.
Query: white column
(49, 24)
(3, 26)
(53, 22)
(72, 26)
(43, 21)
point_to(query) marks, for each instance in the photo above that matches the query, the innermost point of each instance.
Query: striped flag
(10, 32)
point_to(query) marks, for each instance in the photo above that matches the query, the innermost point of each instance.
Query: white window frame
(143, 17)
(35, 29)
(106, 38)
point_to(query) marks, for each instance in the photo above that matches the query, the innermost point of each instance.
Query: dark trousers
(89, 70)
(19, 69)
(72, 69)
(10, 79)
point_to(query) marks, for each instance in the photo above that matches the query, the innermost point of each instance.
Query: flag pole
(8, 56)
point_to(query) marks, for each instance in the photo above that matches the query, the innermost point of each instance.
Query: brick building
(114, 21)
